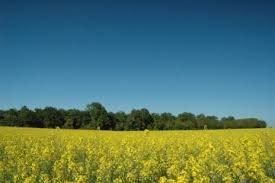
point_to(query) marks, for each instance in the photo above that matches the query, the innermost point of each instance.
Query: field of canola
(54, 155)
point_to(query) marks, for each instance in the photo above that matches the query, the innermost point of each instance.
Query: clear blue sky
(212, 57)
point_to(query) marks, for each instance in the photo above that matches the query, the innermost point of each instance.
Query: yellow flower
(43, 155)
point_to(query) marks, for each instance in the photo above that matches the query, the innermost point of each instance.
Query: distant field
(53, 155)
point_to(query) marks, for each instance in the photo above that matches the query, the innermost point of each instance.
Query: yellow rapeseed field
(56, 155)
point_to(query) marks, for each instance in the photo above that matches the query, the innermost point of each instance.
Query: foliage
(97, 117)
(56, 155)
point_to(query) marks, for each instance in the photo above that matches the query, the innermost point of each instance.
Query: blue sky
(212, 57)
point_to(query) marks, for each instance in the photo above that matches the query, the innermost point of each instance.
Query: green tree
(157, 124)
(168, 120)
(1, 115)
(201, 121)
(110, 124)
(26, 117)
(121, 120)
(185, 121)
(228, 122)
(39, 117)
(98, 115)
(10, 117)
(140, 119)
(52, 118)
(212, 122)
(164, 121)
(85, 119)
(73, 119)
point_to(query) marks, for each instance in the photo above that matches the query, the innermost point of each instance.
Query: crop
(55, 155)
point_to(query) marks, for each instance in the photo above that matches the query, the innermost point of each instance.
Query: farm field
(57, 155)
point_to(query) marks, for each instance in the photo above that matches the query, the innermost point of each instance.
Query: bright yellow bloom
(50, 155)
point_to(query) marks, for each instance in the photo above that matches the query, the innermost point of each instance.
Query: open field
(53, 155)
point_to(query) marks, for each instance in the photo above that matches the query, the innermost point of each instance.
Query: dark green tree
(164, 121)
(228, 122)
(185, 121)
(213, 122)
(1, 116)
(98, 115)
(10, 118)
(158, 123)
(39, 117)
(201, 121)
(52, 118)
(140, 119)
(110, 124)
(168, 120)
(73, 119)
(121, 120)
(26, 117)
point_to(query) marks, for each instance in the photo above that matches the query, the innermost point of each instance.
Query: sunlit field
(56, 155)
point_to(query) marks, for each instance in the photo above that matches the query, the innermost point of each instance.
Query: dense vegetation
(95, 116)
(82, 156)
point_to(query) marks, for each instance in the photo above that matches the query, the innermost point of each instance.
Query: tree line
(95, 116)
